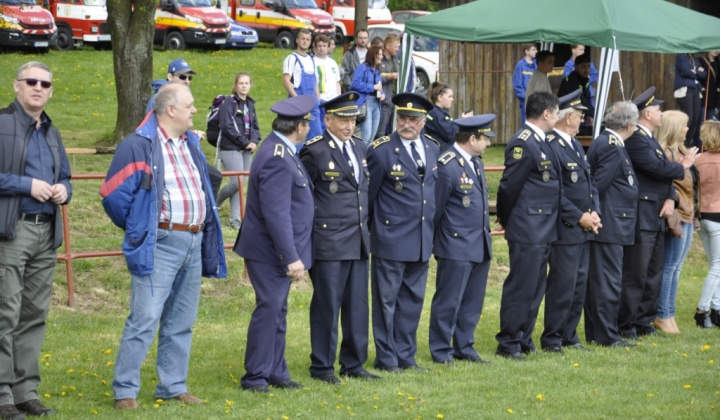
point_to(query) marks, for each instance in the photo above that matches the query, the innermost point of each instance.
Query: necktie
(574, 145)
(418, 160)
(349, 161)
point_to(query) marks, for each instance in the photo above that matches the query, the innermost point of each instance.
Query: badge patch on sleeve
(517, 152)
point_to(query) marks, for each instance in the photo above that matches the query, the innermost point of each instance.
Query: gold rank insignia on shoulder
(525, 135)
(380, 141)
(517, 152)
(446, 157)
(429, 117)
(550, 137)
(561, 142)
(433, 140)
(314, 140)
(279, 150)
(658, 152)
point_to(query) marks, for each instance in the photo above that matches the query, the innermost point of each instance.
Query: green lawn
(662, 378)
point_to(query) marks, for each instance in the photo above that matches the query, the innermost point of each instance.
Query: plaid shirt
(183, 196)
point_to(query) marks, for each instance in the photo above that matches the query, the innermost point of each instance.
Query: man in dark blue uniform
(276, 241)
(528, 201)
(403, 172)
(337, 167)
(462, 244)
(643, 261)
(617, 188)
(579, 219)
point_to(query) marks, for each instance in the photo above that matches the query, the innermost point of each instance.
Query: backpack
(213, 120)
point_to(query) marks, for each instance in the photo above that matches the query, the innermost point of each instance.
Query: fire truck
(343, 13)
(24, 24)
(196, 23)
(80, 21)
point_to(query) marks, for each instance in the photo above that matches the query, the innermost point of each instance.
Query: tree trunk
(361, 16)
(132, 34)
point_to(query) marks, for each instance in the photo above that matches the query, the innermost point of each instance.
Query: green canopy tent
(639, 25)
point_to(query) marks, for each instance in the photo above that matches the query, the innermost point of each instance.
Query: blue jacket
(521, 76)
(363, 80)
(440, 127)
(684, 74)
(132, 197)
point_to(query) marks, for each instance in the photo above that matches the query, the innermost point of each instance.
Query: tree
(132, 31)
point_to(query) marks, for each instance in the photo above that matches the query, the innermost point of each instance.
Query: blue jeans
(676, 249)
(710, 234)
(169, 296)
(370, 125)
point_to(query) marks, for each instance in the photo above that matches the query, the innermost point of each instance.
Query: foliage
(429, 5)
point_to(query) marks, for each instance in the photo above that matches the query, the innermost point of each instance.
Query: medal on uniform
(331, 165)
(466, 201)
(333, 187)
(574, 177)
(546, 176)
(631, 181)
(398, 187)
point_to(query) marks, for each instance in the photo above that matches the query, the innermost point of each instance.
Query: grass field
(674, 377)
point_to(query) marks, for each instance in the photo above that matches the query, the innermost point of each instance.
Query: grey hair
(620, 115)
(168, 95)
(32, 64)
(563, 113)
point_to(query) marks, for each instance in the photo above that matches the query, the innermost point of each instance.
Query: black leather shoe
(702, 319)
(622, 343)
(553, 349)
(10, 412)
(35, 408)
(416, 368)
(473, 360)
(329, 378)
(578, 346)
(389, 369)
(518, 356)
(362, 374)
(715, 317)
(287, 384)
(262, 389)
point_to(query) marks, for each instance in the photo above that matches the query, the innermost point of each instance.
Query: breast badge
(574, 177)
(546, 176)
(466, 201)
(333, 187)
(398, 187)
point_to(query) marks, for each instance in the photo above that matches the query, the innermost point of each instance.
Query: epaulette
(279, 150)
(550, 137)
(378, 142)
(525, 135)
(436, 142)
(429, 117)
(613, 140)
(313, 140)
(446, 157)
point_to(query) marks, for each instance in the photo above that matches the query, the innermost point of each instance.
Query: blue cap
(647, 99)
(343, 105)
(296, 107)
(411, 104)
(572, 100)
(180, 66)
(477, 124)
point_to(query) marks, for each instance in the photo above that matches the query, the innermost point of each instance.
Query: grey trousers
(27, 265)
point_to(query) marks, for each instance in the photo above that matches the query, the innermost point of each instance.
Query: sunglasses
(184, 76)
(33, 82)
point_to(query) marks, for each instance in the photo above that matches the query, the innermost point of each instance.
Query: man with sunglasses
(34, 181)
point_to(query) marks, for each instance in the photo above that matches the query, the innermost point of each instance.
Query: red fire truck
(80, 21)
(24, 24)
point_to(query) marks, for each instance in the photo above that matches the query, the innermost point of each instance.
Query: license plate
(219, 41)
(104, 37)
(41, 44)
(250, 40)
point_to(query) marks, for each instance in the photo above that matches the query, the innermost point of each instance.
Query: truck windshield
(194, 3)
(301, 4)
(18, 2)
(94, 2)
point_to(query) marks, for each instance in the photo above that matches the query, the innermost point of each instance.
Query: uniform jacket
(440, 127)
(617, 187)
(528, 198)
(521, 76)
(278, 225)
(462, 221)
(402, 205)
(341, 203)
(655, 174)
(232, 124)
(579, 192)
(132, 197)
(16, 128)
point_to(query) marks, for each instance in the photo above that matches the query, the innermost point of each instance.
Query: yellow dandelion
(510, 410)
(46, 395)
(107, 394)
(576, 364)
(159, 400)
(94, 412)
(227, 411)
(108, 351)
(688, 386)
(156, 405)
(47, 356)
(711, 361)
(440, 416)
(62, 394)
(684, 354)
(650, 395)
(540, 397)
(72, 388)
(285, 417)
(104, 382)
(705, 348)
(400, 394)
(81, 395)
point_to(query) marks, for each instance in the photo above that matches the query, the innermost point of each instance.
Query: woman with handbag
(368, 83)
(439, 122)
(239, 136)
(671, 136)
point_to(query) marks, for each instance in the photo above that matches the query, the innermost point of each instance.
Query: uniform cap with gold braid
(343, 105)
(411, 105)
(572, 100)
(647, 99)
(295, 108)
(477, 124)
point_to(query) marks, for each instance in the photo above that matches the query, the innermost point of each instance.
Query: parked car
(241, 37)
(425, 53)
(402, 16)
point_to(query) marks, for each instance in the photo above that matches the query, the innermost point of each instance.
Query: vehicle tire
(339, 37)
(423, 83)
(174, 42)
(284, 40)
(65, 40)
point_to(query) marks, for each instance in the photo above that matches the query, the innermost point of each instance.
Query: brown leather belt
(180, 227)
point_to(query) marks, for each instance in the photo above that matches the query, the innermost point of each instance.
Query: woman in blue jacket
(367, 82)
(687, 93)
(439, 122)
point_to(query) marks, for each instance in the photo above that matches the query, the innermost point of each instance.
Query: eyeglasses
(184, 76)
(32, 82)
(581, 115)
(410, 121)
